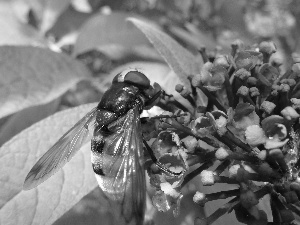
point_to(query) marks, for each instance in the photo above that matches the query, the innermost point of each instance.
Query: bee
(116, 145)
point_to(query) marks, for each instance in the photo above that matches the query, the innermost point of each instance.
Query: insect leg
(152, 100)
(160, 166)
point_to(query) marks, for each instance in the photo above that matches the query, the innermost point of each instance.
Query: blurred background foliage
(93, 32)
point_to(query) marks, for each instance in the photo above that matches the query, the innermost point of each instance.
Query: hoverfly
(116, 145)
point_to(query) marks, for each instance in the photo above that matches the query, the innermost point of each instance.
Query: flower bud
(284, 87)
(255, 135)
(205, 74)
(296, 103)
(233, 170)
(182, 90)
(290, 82)
(267, 107)
(222, 60)
(252, 81)
(276, 61)
(214, 77)
(254, 92)
(289, 113)
(243, 91)
(221, 154)
(196, 80)
(190, 143)
(199, 198)
(168, 189)
(267, 47)
(207, 177)
(238, 44)
(246, 59)
(242, 73)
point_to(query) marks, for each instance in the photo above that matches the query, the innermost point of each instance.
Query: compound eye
(133, 77)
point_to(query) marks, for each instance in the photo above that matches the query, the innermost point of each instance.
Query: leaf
(50, 200)
(25, 118)
(196, 40)
(52, 9)
(32, 76)
(141, 53)
(45, 12)
(101, 30)
(68, 24)
(182, 62)
(91, 209)
(13, 32)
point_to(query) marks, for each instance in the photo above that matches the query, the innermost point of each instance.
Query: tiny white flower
(175, 138)
(190, 142)
(267, 106)
(290, 113)
(221, 154)
(207, 177)
(255, 135)
(233, 170)
(168, 189)
(199, 198)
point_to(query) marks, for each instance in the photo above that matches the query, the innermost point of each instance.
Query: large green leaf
(50, 200)
(182, 62)
(25, 118)
(14, 32)
(45, 12)
(102, 30)
(31, 76)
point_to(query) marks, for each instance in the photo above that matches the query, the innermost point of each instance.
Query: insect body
(117, 149)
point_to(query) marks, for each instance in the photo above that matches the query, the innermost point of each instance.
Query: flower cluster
(249, 131)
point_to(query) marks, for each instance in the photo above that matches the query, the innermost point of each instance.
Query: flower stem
(229, 92)
(196, 172)
(212, 98)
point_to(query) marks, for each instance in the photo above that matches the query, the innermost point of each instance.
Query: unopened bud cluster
(249, 128)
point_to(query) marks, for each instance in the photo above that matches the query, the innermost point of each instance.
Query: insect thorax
(121, 97)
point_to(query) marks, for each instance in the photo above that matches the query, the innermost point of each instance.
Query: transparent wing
(123, 178)
(61, 152)
(133, 204)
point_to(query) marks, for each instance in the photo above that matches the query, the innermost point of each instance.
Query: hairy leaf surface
(178, 58)
(13, 32)
(51, 199)
(103, 30)
(31, 76)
